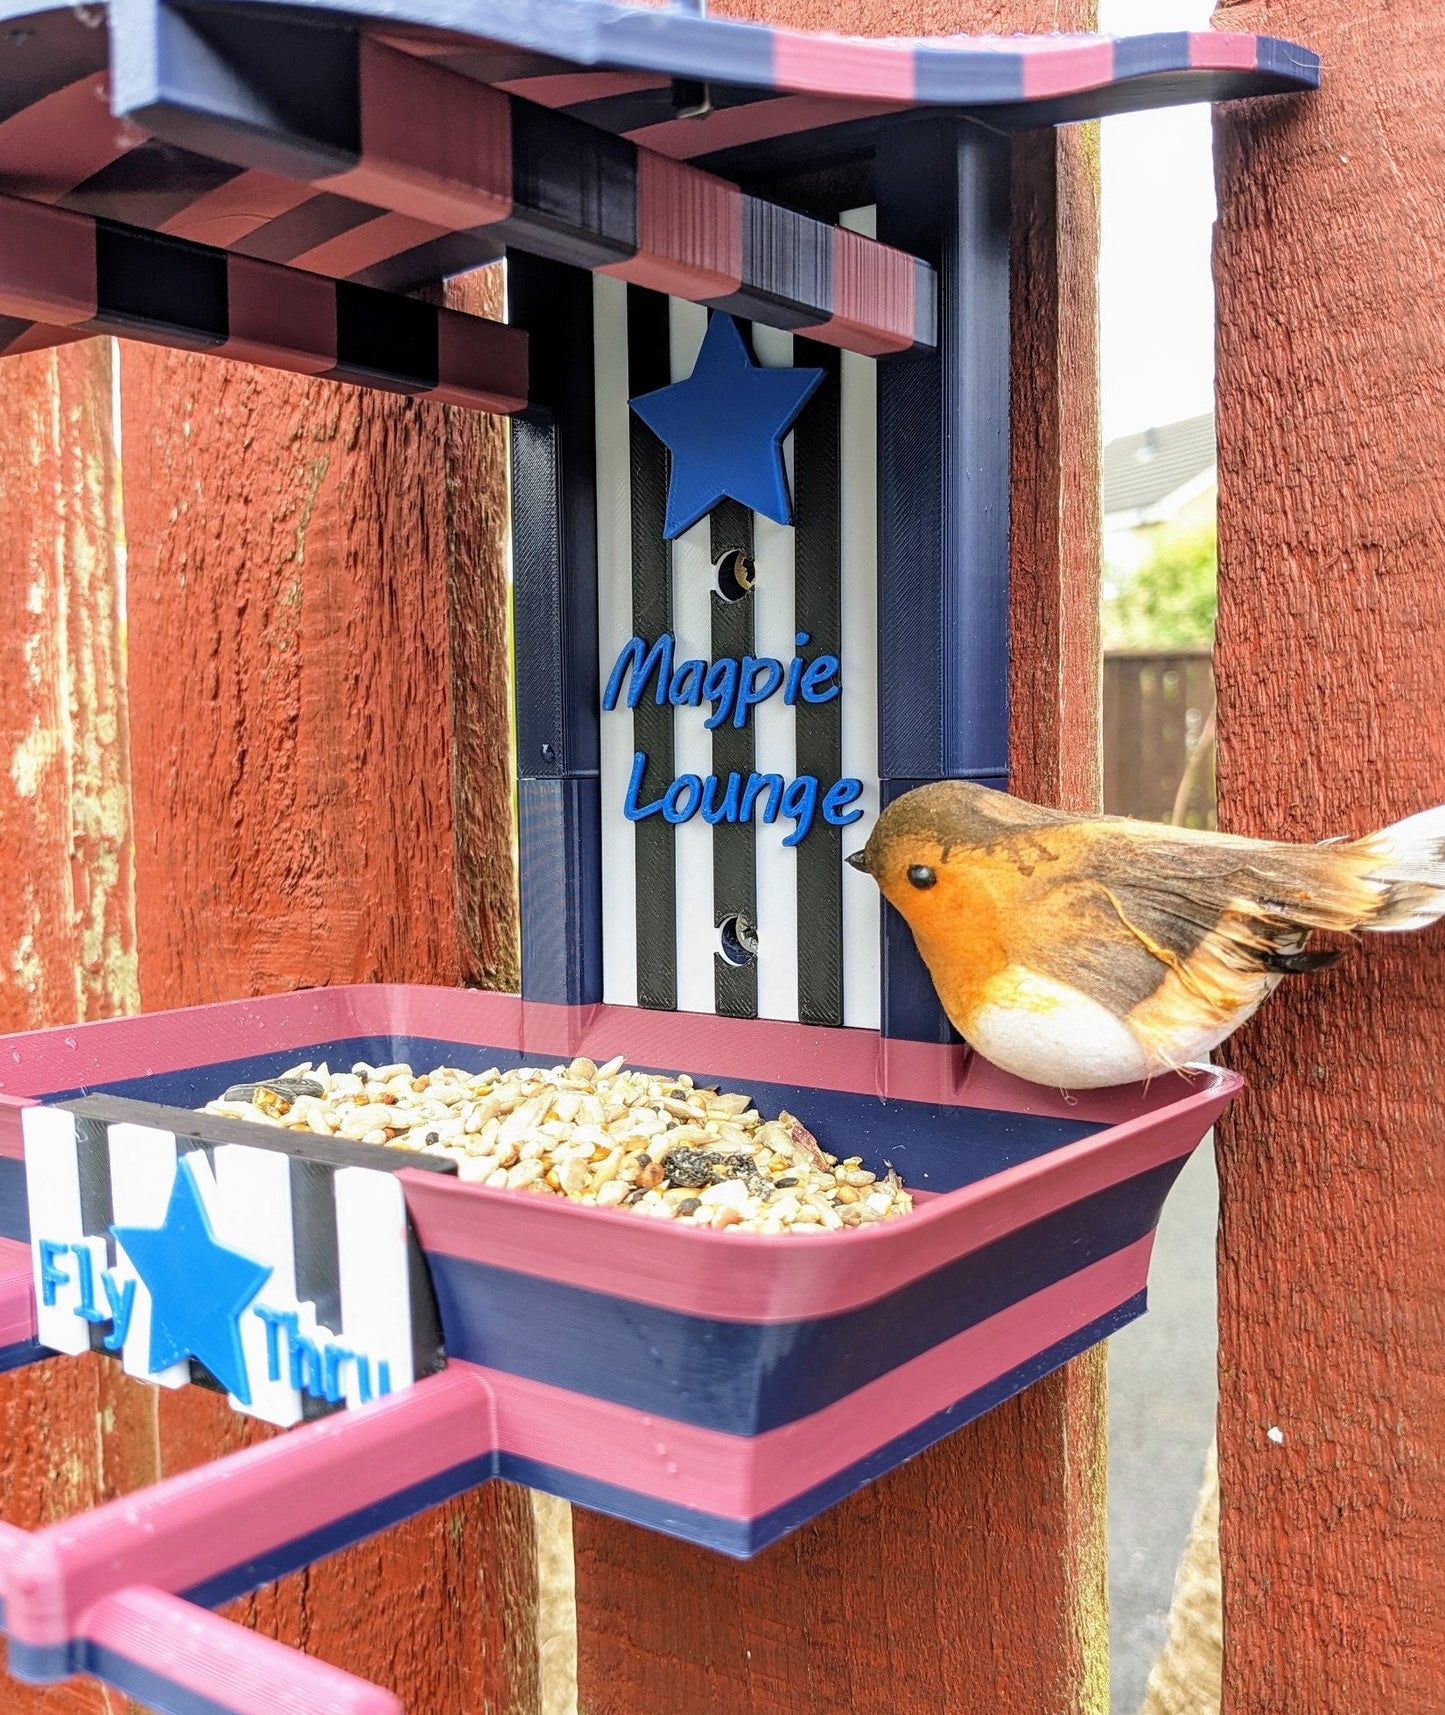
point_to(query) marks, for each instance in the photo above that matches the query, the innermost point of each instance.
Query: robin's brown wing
(1219, 912)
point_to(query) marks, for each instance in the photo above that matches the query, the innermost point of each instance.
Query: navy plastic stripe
(149, 185)
(817, 505)
(17, 1357)
(14, 1210)
(943, 495)
(343, 1532)
(1136, 56)
(744, 1378)
(940, 75)
(560, 890)
(648, 368)
(734, 859)
(383, 337)
(742, 1538)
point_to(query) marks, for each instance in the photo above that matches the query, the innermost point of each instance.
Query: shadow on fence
(1159, 735)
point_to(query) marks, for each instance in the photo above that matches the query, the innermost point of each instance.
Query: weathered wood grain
(308, 563)
(1331, 650)
(74, 1432)
(971, 1580)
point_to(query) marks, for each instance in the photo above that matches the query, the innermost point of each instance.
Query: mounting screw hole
(739, 940)
(736, 575)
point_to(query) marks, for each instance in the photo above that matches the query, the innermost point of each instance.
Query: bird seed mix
(620, 1139)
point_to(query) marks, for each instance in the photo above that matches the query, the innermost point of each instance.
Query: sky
(1156, 299)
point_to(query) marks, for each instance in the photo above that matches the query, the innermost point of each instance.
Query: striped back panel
(722, 915)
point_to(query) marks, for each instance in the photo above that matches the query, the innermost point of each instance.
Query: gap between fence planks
(1331, 638)
(972, 1579)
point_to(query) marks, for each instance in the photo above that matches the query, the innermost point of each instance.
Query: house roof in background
(1141, 471)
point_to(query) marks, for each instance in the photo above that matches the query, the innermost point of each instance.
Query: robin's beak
(859, 860)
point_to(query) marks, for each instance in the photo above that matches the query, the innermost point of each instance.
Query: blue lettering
(641, 662)
(685, 691)
(634, 811)
(332, 1358)
(757, 784)
(364, 1394)
(275, 1321)
(120, 1295)
(87, 1308)
(383, 1377)
(51, 1277)
(727, 811)
(820, 669)
(761, 676)
(795, 670)
(681, 799)
(800, 801)
(305, 1360)
(720, 687)
(836, 800)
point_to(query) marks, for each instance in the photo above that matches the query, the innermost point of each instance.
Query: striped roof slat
(64, 275)
(467, 157)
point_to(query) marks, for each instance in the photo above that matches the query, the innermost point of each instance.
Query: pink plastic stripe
(747, 1277)
(17, 1294)
(1065, 67)
(362, 247)
(824, 63)
(1223, 50)
(191, 1528)
(572, 88)
(741, 1477)
(40, 336)
(42, 1061)
(47, 264)
(755, 122)
(238, 1669)
(454, 170)
(236, 209)
(59, 141)
(874, 292)
(280, 317)
(472, 371)
(689, 231)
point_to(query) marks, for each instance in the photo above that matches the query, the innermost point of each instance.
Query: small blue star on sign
(198, 1288)
(724, 427)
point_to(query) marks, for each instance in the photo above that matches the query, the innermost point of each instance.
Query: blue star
(198, 1288)
(724, 427)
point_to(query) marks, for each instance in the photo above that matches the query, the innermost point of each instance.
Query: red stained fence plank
(971, 1580)
(72, 1433)
(1331, 648)
(306, 565)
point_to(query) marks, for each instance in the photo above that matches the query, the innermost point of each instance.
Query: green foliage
(1168, 601)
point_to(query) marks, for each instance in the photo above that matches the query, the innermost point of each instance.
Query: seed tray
(721, 1387)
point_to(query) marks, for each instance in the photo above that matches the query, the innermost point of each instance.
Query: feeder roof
(142, 112)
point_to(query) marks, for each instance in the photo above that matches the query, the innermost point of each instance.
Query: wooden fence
(1159, 735)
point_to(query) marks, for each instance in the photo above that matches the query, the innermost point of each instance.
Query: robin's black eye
(921, 875)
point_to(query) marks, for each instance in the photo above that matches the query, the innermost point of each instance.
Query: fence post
(315, 805)
(67, 925)
(972, 1579)
(1331, 633)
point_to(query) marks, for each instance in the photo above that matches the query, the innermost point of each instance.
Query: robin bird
(1083, 951)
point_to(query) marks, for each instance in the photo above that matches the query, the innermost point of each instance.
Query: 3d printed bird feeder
(757, 372)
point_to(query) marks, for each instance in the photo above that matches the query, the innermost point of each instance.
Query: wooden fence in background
(1158, 721)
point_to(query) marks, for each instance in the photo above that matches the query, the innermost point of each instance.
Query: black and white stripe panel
(334, 1237)
(669, 891)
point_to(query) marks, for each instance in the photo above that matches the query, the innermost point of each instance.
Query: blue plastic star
(724, 427)
(198, 1288)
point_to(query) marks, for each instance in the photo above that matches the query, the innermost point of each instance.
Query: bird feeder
(756, 366)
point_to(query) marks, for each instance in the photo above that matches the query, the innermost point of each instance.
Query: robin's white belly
(1051, 1034)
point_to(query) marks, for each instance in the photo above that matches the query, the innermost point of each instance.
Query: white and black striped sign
(288, 1280)
(740, 916)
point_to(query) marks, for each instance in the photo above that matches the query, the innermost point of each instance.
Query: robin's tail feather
(1410, 857)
